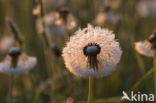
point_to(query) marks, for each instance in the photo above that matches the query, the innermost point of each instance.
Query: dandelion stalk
(66, 36)
(91, 90)
(143, 79)
(48, 43)
(152, 40)
(10, 95)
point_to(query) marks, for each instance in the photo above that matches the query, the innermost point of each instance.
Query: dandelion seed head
(106, 15)
(147, 47)
(58, 22)
(144, 48)
(146, 8)
(24, 64)
(109, 55)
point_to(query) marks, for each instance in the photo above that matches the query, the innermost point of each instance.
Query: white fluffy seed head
(109, 55)
(25, 63)
(144, 48)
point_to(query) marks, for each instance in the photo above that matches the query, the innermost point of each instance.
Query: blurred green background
(50, 81)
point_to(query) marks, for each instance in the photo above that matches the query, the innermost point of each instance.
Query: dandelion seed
(17, 62)
(92, 52)
(146, 47)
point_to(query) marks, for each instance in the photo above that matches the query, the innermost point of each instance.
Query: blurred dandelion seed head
(58, 22)
(106, 15)
(144, 48)
(108, 56)
(24, 62)
(147, 47)
(146, 8)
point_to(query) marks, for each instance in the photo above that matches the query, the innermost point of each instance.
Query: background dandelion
(16, 63)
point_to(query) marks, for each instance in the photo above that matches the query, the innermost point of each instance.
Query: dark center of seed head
(91, 51)
(64, 13)
(152, 39)
(14, 52)
(107, 9)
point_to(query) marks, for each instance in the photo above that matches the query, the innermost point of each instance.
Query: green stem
(10, 96)
(91, 90)
(42, 14)
(66, 35)
(143, 79)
